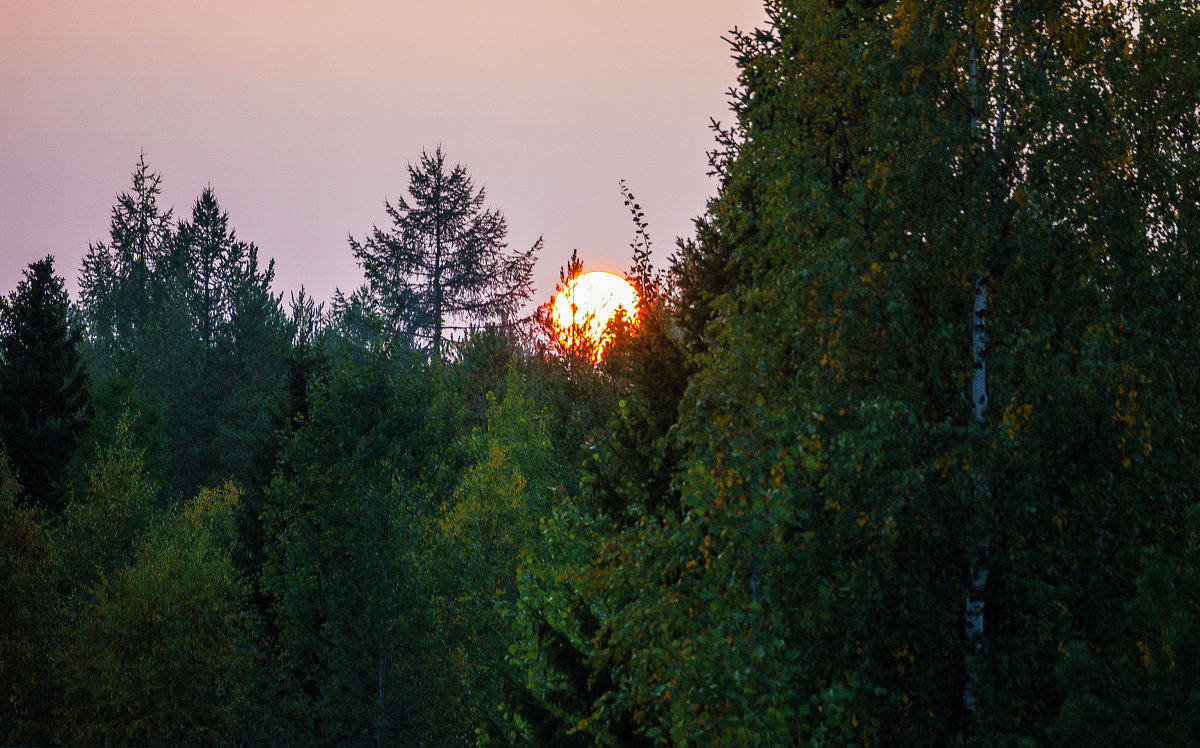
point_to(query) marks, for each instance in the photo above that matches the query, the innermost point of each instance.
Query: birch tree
(947, 388)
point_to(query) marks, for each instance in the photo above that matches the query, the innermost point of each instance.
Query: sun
(589, 301)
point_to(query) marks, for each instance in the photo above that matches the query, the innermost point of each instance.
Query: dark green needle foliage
(43, 384)
(183, 324)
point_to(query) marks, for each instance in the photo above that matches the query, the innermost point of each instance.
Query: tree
(839, 490)
(354, 324)
(104, 522)
(569, 346)
(480, 364)
(116, 281)
(219, 349)
(488, 532)
(206, 350)
(162, 651)
(559, 686)
(251, 352)
(1147, 692)
(211, 264)
(347, 521)
(43, 385)
(444, 263)
(633, 465)
(28, 603)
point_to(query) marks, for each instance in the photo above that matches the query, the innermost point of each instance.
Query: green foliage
(571, 347)
(1147, 690)
(184, 319)
(43, 386)
(28, 601)
(556, 686)
(565, 373)
(348, 522)
(480, 363)
(561, 684)
(934, 344)
(518, 426)
(218, 349)
(162, 650)
(488, 533)
(630, 471)
(355, 324)
(118, 291)
(209, 262)
(836, 495)
(103, 525)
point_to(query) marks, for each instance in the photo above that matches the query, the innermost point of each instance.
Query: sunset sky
(303, 115)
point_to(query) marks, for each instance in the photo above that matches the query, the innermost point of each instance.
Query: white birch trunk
(973, 614)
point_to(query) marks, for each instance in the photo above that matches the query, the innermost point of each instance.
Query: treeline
(902, 448)
(228, 519)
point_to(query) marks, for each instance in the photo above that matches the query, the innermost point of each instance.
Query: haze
(303, 116)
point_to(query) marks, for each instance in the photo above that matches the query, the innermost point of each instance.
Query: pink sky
(303, 116)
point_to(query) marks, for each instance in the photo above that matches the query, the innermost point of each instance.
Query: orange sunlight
(588, 302)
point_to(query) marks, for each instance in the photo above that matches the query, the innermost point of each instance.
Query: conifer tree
(210, 261)
(43, 384)
(116, 283)
(183, 318)
(444, 264)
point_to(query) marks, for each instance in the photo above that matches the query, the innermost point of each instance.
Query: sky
(303, 116)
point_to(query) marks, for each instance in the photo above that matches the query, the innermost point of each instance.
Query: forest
(899, 449)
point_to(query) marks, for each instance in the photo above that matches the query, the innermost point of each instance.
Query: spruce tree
(43, 384)
(444, 263)
(209, 257)
(117, 280)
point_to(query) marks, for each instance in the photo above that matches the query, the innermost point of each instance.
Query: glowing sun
(589, 301)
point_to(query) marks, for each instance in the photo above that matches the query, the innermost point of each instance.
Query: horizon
(303, 121)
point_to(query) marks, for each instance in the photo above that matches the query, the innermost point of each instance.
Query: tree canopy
(900, 448)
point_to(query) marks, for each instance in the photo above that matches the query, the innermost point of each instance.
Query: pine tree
(444, 263)
(43, 384)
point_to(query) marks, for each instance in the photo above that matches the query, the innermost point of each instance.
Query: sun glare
(589, 301)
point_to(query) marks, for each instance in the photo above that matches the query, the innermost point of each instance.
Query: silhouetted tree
(211, 259)
(115, 283)
(444, 263)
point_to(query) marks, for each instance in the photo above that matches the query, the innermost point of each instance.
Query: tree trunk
(973, 613)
